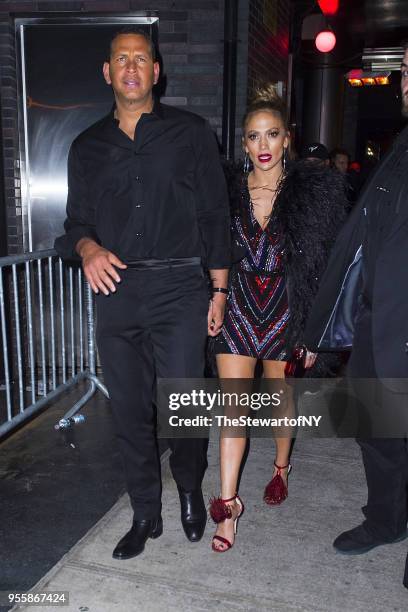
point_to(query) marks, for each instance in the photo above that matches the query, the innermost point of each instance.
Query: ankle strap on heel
(281, 467)
(225, 501)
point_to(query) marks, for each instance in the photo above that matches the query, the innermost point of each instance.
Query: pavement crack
(239, 600)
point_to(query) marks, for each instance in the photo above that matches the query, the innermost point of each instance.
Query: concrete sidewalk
(282, 560)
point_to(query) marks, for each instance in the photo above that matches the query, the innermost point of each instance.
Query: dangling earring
(246, 163)
(284, 158)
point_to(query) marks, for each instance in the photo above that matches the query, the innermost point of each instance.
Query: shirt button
(137, 178)
(138, 206)
(138, 234)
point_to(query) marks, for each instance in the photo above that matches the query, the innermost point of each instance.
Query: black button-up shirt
(160, 196)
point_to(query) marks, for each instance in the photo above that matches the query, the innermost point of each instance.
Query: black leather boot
(133, 543)
(193, 513)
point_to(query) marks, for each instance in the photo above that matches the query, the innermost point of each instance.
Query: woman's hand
(216, 313)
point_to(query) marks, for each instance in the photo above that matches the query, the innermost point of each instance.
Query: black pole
(230, 78)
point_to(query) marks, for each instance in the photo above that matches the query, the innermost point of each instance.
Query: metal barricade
(47, 333)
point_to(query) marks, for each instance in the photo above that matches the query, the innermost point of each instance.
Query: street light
(325, 41)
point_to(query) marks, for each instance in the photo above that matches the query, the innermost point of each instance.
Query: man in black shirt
(147, 208)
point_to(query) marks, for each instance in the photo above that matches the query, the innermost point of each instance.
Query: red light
(356, 73)
(329, 7)
(325, 41)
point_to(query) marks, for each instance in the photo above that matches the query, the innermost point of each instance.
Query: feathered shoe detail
(219, 512)
(276, 491)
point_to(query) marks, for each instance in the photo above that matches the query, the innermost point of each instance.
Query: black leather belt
(161, 264)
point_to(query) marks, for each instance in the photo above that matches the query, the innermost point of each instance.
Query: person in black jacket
(362, 304)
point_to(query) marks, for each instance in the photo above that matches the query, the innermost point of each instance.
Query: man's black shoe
(193, 513)
(358, 541)
(133, 543)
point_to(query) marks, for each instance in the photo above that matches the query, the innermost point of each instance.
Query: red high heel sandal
(276, 491)
(219, 512)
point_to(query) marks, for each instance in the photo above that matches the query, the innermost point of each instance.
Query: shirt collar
(157, 111)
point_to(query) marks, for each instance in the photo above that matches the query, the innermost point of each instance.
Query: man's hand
(216, 313)
(98, 264)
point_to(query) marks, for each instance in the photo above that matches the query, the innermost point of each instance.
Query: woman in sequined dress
(276, 213)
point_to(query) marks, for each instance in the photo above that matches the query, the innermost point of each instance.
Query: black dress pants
(385, 458)
(155, 325)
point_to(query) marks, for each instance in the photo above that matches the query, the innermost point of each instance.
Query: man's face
(404, 84)
(131, 70)
(340, 162)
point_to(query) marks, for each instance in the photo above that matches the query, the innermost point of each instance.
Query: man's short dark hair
(339, 151)
(137, 31)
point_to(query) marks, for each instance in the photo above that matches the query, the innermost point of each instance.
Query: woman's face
(264, 139)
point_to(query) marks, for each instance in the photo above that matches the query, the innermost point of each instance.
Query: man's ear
(156, 72)
(106, 74)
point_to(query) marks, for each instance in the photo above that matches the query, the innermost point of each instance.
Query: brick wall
(242, 72)
(14, 215)
(268, 41)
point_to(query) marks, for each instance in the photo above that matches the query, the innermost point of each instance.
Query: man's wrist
(85, 244)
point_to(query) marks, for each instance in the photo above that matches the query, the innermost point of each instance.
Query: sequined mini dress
(257, 310)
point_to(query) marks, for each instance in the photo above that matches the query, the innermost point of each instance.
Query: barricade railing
(47, 333)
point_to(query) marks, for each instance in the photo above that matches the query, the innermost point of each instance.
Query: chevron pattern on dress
(257, 311)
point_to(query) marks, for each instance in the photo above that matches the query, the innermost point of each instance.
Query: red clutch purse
(294, 366)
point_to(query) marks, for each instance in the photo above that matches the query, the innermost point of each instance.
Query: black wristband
(220, 290)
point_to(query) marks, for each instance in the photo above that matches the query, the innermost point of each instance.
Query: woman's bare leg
(231, 449)
(276, 369)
